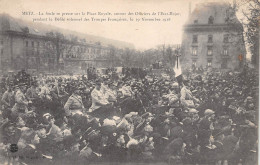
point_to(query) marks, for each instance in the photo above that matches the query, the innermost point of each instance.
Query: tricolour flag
(177, 70)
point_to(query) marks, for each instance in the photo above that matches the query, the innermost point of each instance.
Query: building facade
(38, 50)
(213, 37)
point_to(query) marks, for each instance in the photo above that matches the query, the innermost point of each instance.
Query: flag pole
(177, 54)
(177, 61)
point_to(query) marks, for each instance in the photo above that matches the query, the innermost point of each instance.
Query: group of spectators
(205, 118)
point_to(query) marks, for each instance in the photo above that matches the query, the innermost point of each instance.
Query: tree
(252, 26)
(161, 51)
(112, 55)
(127, 57)
(170, 56)
(150, 56)
(57, 45)
(250, 30)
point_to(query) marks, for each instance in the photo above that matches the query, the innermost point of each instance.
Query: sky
(143, 35)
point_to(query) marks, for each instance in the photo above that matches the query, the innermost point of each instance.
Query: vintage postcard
(129, 82)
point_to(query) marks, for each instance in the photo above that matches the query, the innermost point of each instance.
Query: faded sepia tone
(129, 82)
(144, 35)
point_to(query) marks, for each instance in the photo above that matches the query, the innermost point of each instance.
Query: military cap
(209, 112)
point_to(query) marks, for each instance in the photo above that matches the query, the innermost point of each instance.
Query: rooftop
(8, 23)
(218, 11)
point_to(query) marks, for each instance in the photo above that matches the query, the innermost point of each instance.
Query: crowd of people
(196, 118)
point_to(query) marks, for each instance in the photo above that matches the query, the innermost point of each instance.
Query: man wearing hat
(7, 101)
(111, 93)
(173, 96)
(21, 102)
(205, 129)
(33, 92)
(104, 85)
(100, 105)
(193, 114)
(126, 90)
(45, 90)
(59, 90)
(187, 99)
(173, 150)
(74, 104)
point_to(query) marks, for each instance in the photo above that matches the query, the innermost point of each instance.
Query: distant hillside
(14, 24)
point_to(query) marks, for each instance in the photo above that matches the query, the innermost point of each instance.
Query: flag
(177, 70)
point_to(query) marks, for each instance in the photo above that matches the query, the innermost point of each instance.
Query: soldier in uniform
(21, 102)
(60, 92)
(74, 104)
(206, 126)
(32, 93)
(187, 99)
(174, 100)
(127, 102)
(111, 93)
(7, 101)
(100, 107)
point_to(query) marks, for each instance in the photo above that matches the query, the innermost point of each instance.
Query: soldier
(45, 90)
(74, 104)
(205, 130)
(21, 102)
(7, 101)
(98, 98)
(60, 91)
(126, 90)
(33, 92)
(104, 87)
(174, 100)
(100, 107)
(127, 102)
(187, 99)
(111, 93)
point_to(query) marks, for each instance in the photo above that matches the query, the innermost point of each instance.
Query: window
(210, 51)
(26, 43)
(225, 50)
(209, 64)
(38, 44)
(226, 36)
(211, 20)
(194, 51)
(32, 44)
(195, 39)
(2, 42)
(195, 21)
(2, 51)
(210, 38)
